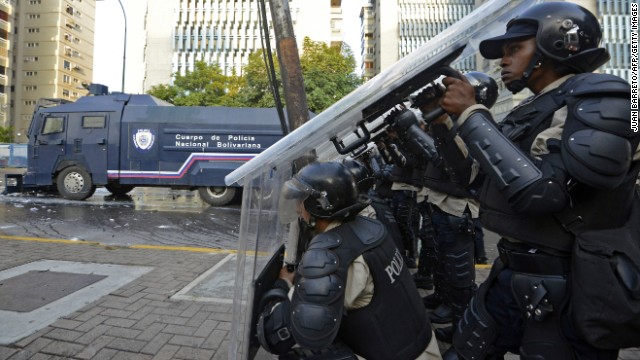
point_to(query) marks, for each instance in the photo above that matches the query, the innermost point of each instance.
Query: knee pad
(476, 330)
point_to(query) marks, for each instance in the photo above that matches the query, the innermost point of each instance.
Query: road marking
(144, 247)
(63, 241)
(182, 248)
(153, 247)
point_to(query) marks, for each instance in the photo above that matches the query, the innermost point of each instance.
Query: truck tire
(74, 183)
(217, 195)
(119, 189)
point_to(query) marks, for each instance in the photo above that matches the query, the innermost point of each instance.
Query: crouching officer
(566, 150)
(352, 290)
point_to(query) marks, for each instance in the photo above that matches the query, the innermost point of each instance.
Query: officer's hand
(460, 95)
(286, 274)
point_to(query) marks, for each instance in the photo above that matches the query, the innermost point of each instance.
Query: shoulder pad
(598, 140)
(590, 83)
(597, 158)
(369, 231)
(325, 240)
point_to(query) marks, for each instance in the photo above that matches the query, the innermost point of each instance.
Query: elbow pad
(544, 196)
(500, 159)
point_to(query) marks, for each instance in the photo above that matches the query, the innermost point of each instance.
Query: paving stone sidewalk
(138, 320)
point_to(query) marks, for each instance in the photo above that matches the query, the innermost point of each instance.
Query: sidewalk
(138, 320)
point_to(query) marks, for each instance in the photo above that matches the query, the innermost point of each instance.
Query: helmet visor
(292, 195)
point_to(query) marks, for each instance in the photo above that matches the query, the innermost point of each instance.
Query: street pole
(124, 48)
(289, 59)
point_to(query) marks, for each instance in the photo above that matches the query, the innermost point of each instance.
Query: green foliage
(204, 86)
(328, 76)
(257, 91)
(328, 73)
(6, 134)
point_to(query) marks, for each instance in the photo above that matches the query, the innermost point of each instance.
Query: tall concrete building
(51, 48)
(180, 32)
(391, 29)
(6, 62)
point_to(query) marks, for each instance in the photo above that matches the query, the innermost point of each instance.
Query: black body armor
(393, 326)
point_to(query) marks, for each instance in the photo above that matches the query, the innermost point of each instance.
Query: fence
(13, 155)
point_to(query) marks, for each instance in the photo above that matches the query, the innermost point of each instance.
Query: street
(149, 216)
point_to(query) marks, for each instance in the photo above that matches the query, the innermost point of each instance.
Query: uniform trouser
(528, 314)
(426, 236)
(455, 271)
(510, 318)
(403, 205)
(480, 251)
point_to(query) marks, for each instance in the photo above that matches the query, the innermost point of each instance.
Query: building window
(33, 44)
(35, 2)
(30, 102)
(33, 16)
(31, 88)
(66, 79)
(33, 30)
(70, 10)
(30, 58)
(65, 93)
(66, 65)
(30, 73)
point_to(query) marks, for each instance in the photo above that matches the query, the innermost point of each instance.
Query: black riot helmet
(564, 31)
(328, 190)
(361, 173)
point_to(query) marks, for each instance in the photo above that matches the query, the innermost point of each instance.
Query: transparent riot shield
(340, 130)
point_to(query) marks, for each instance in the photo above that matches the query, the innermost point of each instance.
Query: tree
(204, 86)
(6, 134)
(328, 73)
(328, 76)
(257, 91)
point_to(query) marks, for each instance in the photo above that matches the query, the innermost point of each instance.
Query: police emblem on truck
(143, 139)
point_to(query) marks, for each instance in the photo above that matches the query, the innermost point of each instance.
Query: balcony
(4, 49)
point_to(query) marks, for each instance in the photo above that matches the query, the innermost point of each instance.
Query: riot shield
(342, 129)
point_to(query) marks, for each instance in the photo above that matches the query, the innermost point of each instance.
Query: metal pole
(290, 69)
(124, 48)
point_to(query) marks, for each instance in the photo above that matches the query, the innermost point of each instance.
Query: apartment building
(6, 39)
(392, 29)
(181, 32)
(51, 55)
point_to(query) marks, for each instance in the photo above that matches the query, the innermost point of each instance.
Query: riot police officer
(558, 151)
(453, 212)
(352, 286)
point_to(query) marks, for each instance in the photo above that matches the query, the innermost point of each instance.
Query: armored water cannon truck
(121, 141)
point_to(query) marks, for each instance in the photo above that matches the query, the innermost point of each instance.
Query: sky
(109, 38)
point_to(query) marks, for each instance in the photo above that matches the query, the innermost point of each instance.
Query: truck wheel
(119, 189)
(217, 195)
(74, 183)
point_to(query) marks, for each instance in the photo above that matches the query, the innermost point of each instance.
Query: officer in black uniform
(352, 289)
(453, 210)
(569, 146)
